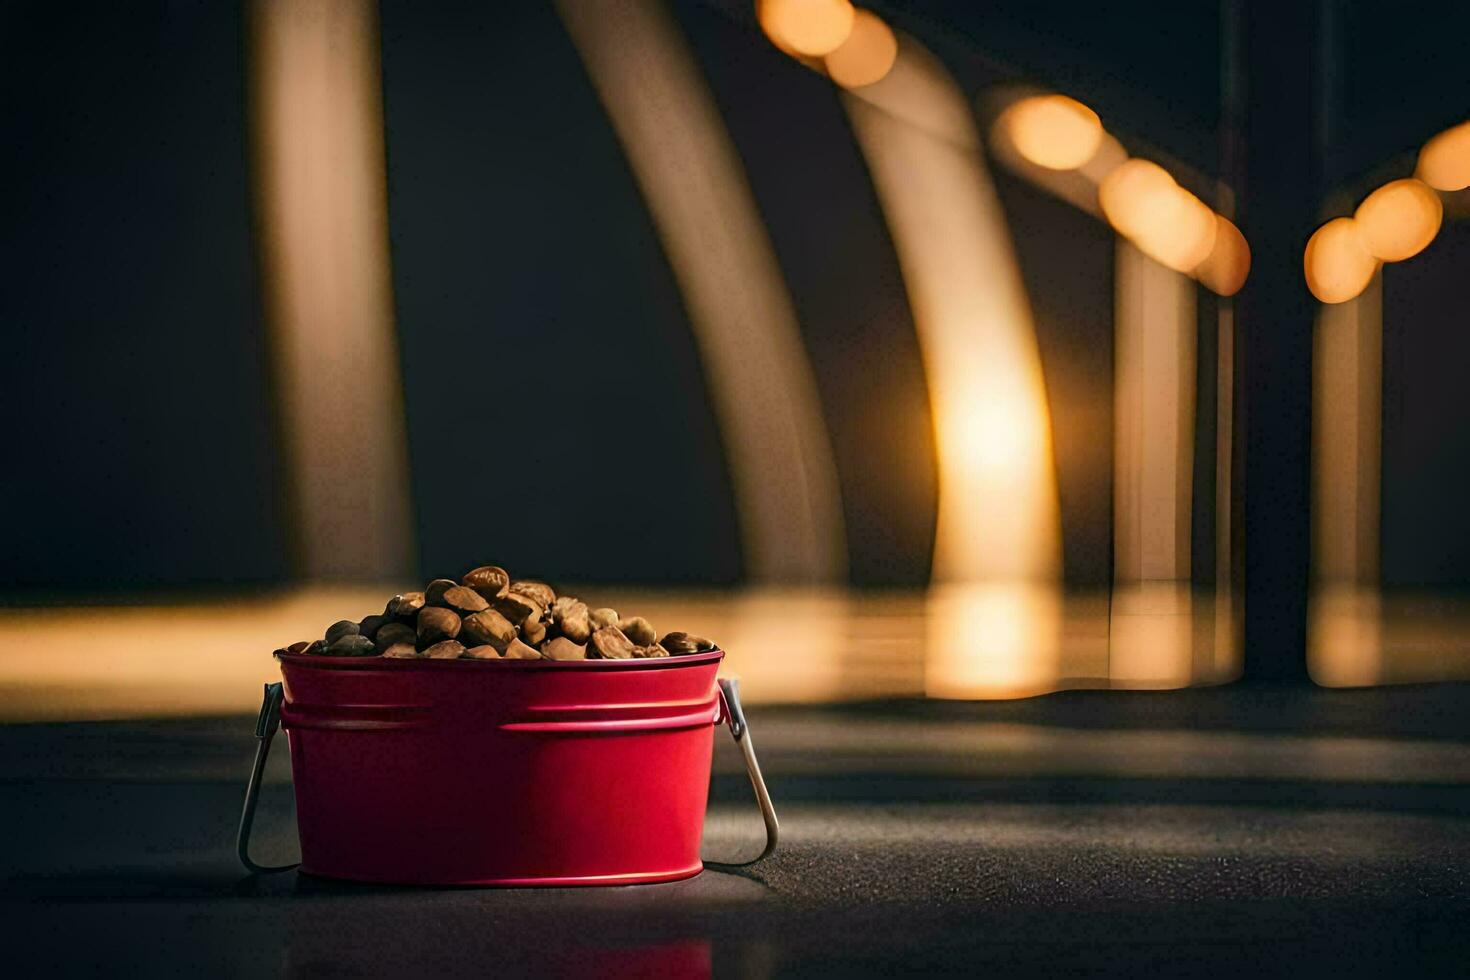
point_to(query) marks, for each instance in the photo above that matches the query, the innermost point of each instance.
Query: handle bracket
(266, 724)
(735, 718)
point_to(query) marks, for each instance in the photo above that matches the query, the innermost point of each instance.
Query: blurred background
(966, 351)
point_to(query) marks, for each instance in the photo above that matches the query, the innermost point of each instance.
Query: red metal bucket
(512, 772)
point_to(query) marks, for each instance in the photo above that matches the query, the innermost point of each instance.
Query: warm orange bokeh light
(1126, 194)
(1399, 219)
(1167, 223)
(809, 27)
(1337, 263)
(1053, 131)
(1225, 269)
(1444, 163)
(867, 55)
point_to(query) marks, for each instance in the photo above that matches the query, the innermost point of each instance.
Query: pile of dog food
(487, 615)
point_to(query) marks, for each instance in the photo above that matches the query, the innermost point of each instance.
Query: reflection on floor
(1230, 831)
(968, 642)
(193, 656)
(1359, 637)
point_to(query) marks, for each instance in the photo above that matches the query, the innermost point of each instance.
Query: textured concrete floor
(1232, 832)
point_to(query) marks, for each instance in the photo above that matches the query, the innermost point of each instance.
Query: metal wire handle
(740, 731)
(269, 721)
(265, 730)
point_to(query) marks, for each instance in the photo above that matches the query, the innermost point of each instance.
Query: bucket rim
(378, 662)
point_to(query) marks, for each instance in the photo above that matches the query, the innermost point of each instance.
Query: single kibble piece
(637, 629)
(393, 633)
(562, 648)
(488, 628)
(445, 650)
(650, 652)
(434, 591)
(370, 625)
(351, 645)
(407, 605)
(572, 618)
(316, 648)
(483, 652)
(463, 600)
(533, 630)
(298, 647)
(519, 651)
(437, 624)
(678, 642)
(609, 643)
(602, 618)
(339, 629)
(539, 591)
(491, 581)
(516, 607)
(402, 651)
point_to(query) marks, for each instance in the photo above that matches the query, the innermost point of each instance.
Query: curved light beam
(998, 515)
(745, 327)
(322, 199)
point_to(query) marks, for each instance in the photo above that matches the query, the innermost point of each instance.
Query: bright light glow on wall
(1338, 264)
(866, 56)
(1399, 219)
(1170, 225)
(809, 27)
(1225, 270)
(1054, 131)
(998, 511)
(1444, 163)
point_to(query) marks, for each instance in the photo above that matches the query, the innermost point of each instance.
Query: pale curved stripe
(998, 515)
(764, 394)
(322, 201)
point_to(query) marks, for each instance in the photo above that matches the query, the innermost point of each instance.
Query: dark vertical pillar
(1277, 180)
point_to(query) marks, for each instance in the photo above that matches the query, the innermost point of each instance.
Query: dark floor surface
(1230, 832)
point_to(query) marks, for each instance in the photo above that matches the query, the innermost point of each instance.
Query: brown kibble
(351, 645)
(491, 581)
(539, 591)
(533, 630)
(434, 591)
(316, 648)
(437, 624)
(572, 617)
(463, 600)
(519, 651)
(483, 652)
(445, 650)
(395, 632)
(339, 629)
(298, 647)
(678, 642)
(602, 618)
(638, 629)
(516, 607)
(609, 643)
(650, 652)
(562, 648)
(402, 651)
(488, 628)
(407, 605)
(370, 625)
